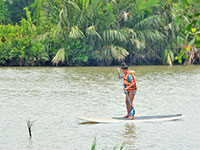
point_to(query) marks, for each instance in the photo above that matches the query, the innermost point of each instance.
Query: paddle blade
(132, 112)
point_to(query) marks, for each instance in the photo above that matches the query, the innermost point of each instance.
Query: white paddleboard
(137, 119)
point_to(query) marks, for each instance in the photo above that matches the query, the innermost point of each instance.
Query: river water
(54, 98)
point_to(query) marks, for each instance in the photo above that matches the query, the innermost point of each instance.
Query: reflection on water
(130, 134)
(88, 123)
(30, 145)
(56, 97)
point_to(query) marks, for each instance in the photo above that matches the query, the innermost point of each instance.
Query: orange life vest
(127, 84)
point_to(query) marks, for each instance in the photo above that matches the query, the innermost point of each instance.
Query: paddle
(132, 110)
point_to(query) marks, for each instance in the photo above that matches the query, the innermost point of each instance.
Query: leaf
(188, 47)
(197, 37)
(191, 42)
(112, 52)
(111, 35)
(164, 56)
(85, 58)
(174, 5)
(169, 61)
(92, 31)
(181, 53)
(109, 7)
(197, 44)
(171, 54)
(122, 146)
(180, 40)
(176, 58)
(194, 22)
(76, 33)
(185, 2)
(197, 15)
(177, 20)
(185, 56)
(152, 21)
(180, 60)
(94, 144)
(189, 27)
(194, 30)
(60, 56)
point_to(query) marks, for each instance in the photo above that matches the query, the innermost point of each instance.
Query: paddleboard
(137, 119)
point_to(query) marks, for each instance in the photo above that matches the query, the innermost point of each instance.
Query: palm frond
(42, 37)
(60, 56)
(92, 31)
(141, 6)
(151, 3)
(132, 38)
(151, 22)
(111, 35)
(152, 35)
(109, 53)
(69, 15)
(82, 20)
(72, 5)
(128, 31)
(171, 54)
(63, 22)
(76, 33)
(137, 43)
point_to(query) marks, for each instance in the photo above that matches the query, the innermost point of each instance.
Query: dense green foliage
(4, 12)
(187, 14)
(96, 32)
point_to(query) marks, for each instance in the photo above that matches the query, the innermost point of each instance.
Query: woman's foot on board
(131, 117)
(126, 116)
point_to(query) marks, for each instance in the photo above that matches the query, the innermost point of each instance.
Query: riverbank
(51, 65)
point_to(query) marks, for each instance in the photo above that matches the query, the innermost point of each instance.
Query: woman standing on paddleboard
(130, 87)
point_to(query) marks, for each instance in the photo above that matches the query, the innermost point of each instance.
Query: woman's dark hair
(124, 66)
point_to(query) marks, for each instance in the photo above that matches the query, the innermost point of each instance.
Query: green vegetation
(96, 32)
(187, 14)
(114, 148)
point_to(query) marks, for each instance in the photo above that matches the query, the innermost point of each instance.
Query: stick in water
(29, 125)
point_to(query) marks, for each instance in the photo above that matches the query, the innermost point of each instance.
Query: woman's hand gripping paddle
(132, 110)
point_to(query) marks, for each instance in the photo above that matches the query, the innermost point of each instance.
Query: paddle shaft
(132, 109)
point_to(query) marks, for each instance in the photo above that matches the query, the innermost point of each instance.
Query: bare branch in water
(29, 125)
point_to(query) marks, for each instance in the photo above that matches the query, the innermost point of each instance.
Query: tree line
(99, 32)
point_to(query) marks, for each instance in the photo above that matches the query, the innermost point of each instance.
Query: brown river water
(54, 98)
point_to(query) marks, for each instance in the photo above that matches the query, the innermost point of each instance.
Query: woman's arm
(132, 84)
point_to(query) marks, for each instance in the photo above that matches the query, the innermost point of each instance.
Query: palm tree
(99, 24)
(83, 24)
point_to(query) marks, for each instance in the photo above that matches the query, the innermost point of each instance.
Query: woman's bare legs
(131, 98)
(127, 108)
